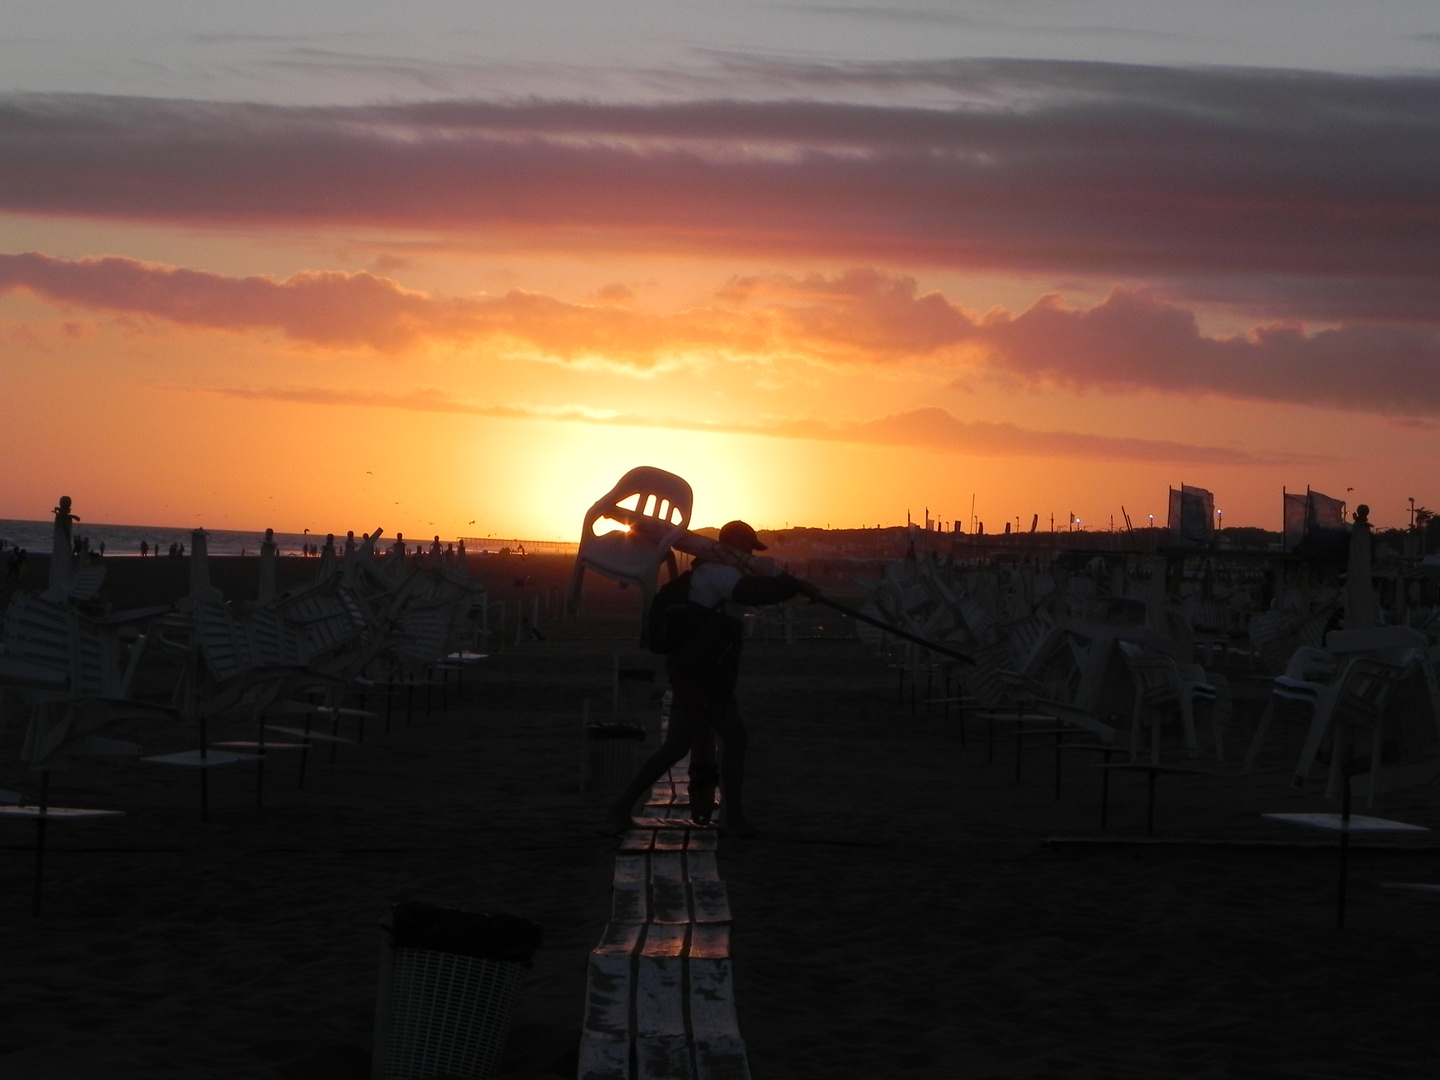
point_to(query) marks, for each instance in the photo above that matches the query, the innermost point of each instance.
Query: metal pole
(40, 824)
(1344, 852)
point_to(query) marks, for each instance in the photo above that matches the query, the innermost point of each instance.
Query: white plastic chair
(633, 556)
(1161, 684)
(1314, 677)
(1358, 699)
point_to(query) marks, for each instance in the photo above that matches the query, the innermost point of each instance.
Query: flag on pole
(1192, 515)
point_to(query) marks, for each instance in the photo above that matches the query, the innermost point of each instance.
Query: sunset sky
(346, 265)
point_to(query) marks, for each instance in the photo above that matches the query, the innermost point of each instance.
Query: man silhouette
(703, 672)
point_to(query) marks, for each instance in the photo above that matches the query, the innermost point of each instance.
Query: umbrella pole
(40, 824)
(204, 757)
(1344, 853)
(260, 765)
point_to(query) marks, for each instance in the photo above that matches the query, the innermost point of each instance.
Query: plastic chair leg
(1260, 733)
(1319, 726)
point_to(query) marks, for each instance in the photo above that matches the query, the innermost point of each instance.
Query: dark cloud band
(1129, 172)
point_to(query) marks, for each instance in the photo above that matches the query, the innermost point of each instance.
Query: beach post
(61, 551)
(1343, 886)
(389, 697)
(195, 713)
(260, 752)
(40, 823)
(327, 559)
(584, 745)
(267, 566)
(1360, 607)
(199, 563)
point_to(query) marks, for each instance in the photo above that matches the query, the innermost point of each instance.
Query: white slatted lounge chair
(67, 669)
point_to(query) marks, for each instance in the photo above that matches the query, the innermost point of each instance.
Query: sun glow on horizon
(896, 294)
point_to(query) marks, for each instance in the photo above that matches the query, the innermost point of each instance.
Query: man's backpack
(668, 622)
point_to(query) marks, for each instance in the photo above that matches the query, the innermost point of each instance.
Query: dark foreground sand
(901, 916)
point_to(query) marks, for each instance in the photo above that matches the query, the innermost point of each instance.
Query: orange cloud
(1133, 340)
(340, 310)
(928, 428)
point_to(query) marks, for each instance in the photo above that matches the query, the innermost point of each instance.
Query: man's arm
(770, 590)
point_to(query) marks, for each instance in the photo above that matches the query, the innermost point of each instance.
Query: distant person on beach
(704, 669)
(350, 543)
(144, 549)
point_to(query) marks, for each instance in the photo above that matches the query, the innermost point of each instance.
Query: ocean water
(35, 536)
(124, 540)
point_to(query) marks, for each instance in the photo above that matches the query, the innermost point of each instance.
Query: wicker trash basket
(614, 751)
(448, 984)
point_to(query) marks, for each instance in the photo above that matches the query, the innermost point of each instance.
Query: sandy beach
(906, 912)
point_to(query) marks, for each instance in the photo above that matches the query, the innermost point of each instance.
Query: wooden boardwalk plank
(663, 1058)
(701, 866)
(604, 1057)
(660, 1003)
(721, 1059)
(669, 900)
(606, 1036)
(662, 1046)
(638, 840)
(607, 1000)
(710, 902)
(631, 901)
(719, 1050)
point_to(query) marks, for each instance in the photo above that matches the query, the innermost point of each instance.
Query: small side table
(1152, 771)
(1345, 823)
